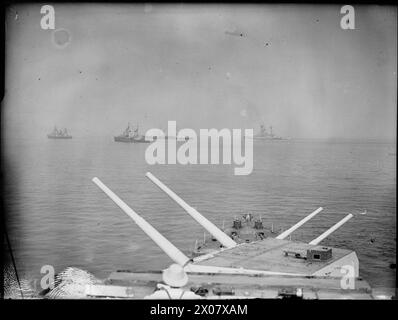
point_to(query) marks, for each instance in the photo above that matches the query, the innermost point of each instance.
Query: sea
(56, 216)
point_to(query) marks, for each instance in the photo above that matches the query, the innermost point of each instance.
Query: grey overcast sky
(205, 66)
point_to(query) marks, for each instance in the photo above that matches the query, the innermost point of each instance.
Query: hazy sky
(204, 66)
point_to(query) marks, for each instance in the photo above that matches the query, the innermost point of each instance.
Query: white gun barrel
(225, 240)
(283, 235)
(331, 230)
(172, 251)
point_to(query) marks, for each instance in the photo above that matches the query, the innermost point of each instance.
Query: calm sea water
(57, 216)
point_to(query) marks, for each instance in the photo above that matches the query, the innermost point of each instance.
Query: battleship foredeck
(276, 255)
(268, 268)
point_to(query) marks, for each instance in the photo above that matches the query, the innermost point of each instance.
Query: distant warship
(131, 135)
(59, 134)
(264, 135)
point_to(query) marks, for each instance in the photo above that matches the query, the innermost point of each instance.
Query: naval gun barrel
(332, 229)
(225, 240)
(172, 251)
(286, 233)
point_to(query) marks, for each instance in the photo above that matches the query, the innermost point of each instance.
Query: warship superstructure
(244, 228)
(131, 135)
(59, 134)
(272, 267)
